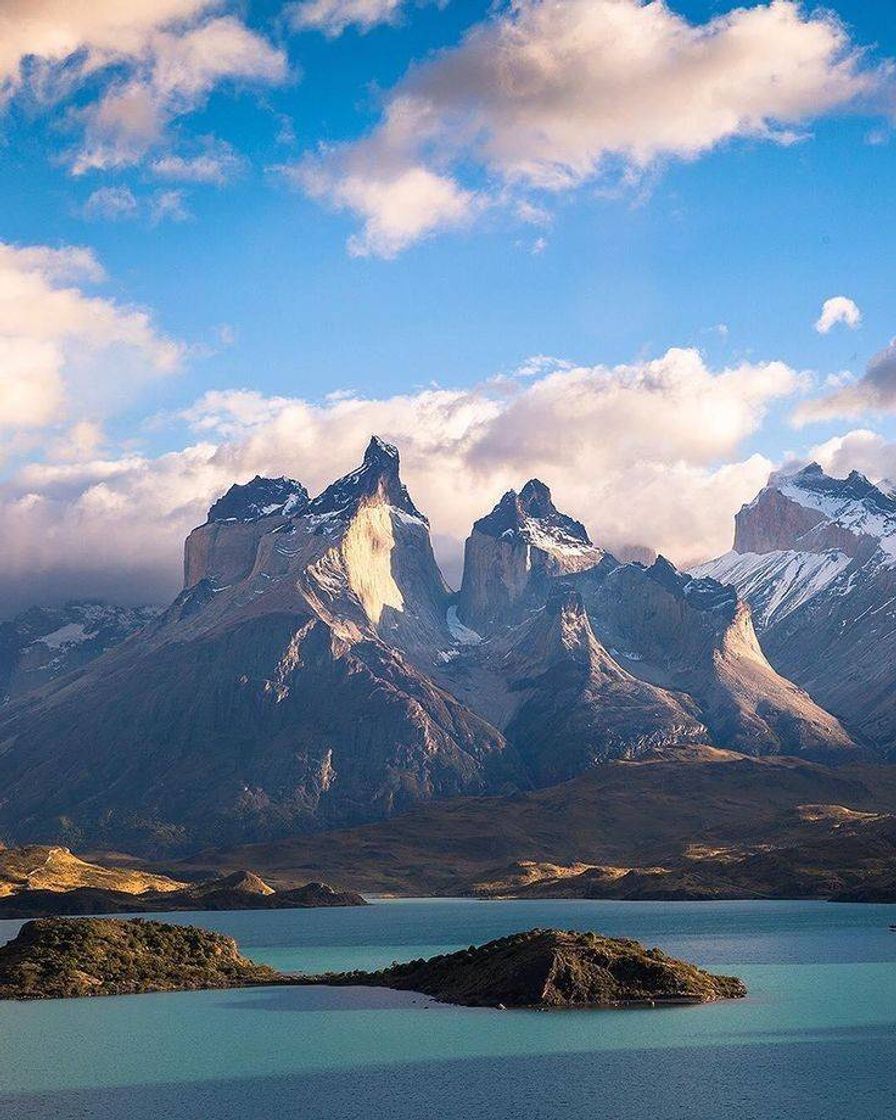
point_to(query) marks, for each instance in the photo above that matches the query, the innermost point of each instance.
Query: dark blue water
(816, 1040)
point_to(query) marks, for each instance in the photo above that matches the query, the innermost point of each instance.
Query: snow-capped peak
(531, 516)
(854, 503)
(261, 497)
(377, 475)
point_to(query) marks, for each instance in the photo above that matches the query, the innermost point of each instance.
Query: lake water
(816, 1039)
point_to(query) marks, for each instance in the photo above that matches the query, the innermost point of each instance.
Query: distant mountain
(815, 556)
(44, 643)
(317, 672)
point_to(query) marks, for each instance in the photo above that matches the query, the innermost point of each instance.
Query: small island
(549, 968)
(57, 958)
(54, 958)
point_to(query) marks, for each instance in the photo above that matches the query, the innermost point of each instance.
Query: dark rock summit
(262, 497)
(512, 551)
(56, 958)
(377, 477)
(549, 968)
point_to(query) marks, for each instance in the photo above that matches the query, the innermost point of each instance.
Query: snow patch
(71, 634)
(461, 634)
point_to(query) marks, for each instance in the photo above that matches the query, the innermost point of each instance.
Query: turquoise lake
(816, 1039)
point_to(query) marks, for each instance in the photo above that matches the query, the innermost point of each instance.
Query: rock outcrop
(55, 870)
(37, 881)
(57, 958)
(223, 549)
(513, 551)
(549, 968)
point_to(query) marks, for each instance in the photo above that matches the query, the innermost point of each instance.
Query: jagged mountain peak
(378, 475)
(258, 498)
(808, 510)
(532, 515)
(703, 593)
(814, 479)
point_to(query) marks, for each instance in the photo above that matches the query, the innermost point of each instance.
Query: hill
(686, 823)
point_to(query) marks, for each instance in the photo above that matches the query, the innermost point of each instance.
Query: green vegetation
(53, 958)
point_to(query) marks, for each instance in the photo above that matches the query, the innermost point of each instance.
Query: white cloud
(648, 452)
(153, 60)
(838, 309)
(397, 209)
(545, 96)
(859, 450)
(60, 345)
(875, 391)
(111, 204)
(217, 162)
(168, 206)
(334, 16)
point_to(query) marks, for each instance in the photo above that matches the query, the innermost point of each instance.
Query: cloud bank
(543, 97)
(647, 453)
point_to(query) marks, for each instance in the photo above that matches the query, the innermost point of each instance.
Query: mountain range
(316, 672)
(44, 643)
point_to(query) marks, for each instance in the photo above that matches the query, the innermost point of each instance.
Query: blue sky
(730, 248)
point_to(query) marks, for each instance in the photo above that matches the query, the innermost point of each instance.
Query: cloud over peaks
(646, 453)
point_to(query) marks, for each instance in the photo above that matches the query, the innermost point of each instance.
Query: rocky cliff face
(695, 636)
(561, 700)
(223, 549)
(512, 552)
(810, 512)
(281, 701)
(815, 557)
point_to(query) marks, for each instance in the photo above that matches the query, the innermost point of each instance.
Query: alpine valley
(317, 673)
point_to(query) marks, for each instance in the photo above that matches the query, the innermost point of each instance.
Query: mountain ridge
(319, 673)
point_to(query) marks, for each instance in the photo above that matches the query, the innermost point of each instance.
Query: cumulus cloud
(647, 452)
(838, 309)
(397, 209)
(544, 96)
(875, 391)
(60, 344)
(860, 450)
(152, 60)
(334, 16)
